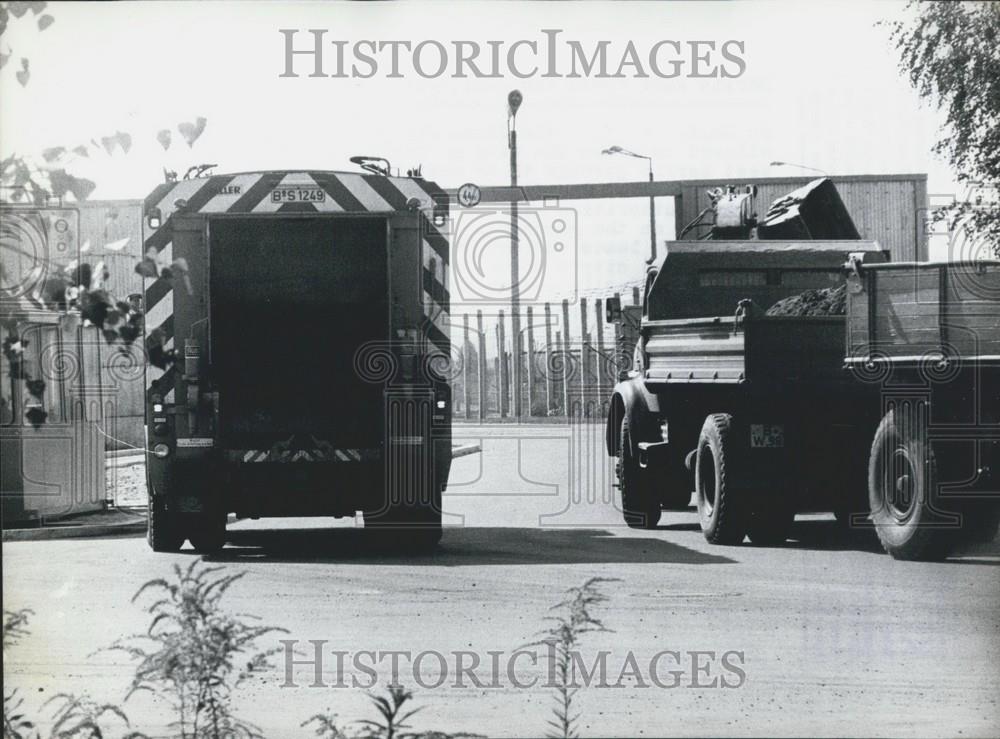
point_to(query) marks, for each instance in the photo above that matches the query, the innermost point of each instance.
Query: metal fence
(568, 351)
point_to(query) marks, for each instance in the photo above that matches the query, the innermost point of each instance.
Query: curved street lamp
(799, 166)
(652, 200)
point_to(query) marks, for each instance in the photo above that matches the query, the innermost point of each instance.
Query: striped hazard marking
(298, 192)
(303, 455)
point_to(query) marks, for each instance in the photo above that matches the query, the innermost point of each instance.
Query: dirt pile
(830, 301)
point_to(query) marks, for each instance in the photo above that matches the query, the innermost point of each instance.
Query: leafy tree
(949, 53)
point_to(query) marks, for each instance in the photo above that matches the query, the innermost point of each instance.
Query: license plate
(295, 194)
(763, 436)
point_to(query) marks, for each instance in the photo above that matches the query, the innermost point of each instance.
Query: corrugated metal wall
(889, 209)
(111, 232)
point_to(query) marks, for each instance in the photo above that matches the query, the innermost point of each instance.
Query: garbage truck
(788, 367)
(296, 328)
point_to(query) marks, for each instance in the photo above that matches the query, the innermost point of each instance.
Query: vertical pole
(635, 296)
(567, 358)
(652, 220)
(530, 363)
(515, 290)
(558, 349)
(496, 377)
(585, 372)
(548, 358)
(466, 368)
(482, 366)
(618, 342)
(499, 369)
(602, 373)
(504, 377)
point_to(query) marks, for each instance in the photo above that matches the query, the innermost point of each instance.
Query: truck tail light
(161, 451)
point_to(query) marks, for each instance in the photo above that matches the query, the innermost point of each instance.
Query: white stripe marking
(239, 186)
(364, 192)
(160, 312)
(295, 179)
(183, 190)
(411, 190)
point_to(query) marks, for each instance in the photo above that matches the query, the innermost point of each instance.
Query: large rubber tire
(640, 509)
(901, 483)
(721, 502)
(162, 531)
(207, 531)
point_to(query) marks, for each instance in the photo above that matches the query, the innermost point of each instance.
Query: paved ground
(836, 638)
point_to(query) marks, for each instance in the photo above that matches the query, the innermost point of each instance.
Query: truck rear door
(291, 301)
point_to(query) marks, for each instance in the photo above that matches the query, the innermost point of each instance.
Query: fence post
(618, 342)
(567, 357)
(602, 374)
(503, 379)
(496, 376)
(584, 350)
(548, 358)
(466, 395)
(482, 366)
(530, 371)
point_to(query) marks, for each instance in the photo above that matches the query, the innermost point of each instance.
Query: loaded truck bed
(888, 416)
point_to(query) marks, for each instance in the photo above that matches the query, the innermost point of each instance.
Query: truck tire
(640, 509)
(720, 501)
(162, 531)
(207, 531)
(901, 480)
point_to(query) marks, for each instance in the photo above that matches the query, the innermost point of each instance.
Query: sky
(820, 87)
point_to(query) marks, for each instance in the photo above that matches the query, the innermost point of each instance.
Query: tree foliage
(950, 52)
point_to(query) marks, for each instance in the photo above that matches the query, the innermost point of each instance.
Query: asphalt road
(831, 637)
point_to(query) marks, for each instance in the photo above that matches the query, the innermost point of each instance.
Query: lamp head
(514, 100)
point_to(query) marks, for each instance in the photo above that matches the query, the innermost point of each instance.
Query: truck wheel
(901, 478)
(720, 502)
(162, 532)
(639, 509)
(770, 524)
(207, 531)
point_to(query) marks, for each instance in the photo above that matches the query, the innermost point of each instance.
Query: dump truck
(297, 338)
(881, 416)
(928, 335)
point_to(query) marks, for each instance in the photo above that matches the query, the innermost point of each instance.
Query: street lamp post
(652, 200)
(514, 99)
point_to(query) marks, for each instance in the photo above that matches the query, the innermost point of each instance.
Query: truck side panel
(907, 312)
